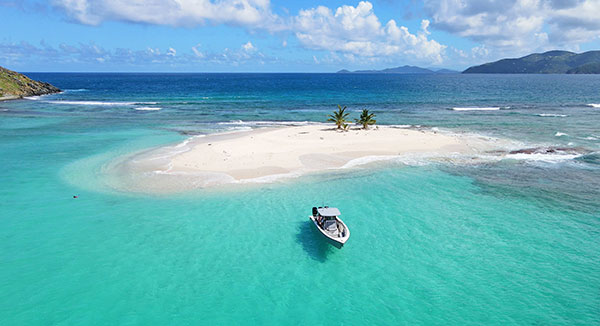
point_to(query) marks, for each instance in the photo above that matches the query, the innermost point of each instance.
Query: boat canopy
(328, 211)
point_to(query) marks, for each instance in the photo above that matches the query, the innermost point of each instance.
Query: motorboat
(327, 221)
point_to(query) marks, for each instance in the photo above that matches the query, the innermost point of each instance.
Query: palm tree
(366, 119)
(339, 117)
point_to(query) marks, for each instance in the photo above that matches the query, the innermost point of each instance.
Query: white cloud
(424, 26)
(248, 13)
(519, 26)
(358, 31)
(17, 54)
(347, 29)
(196, 50)
(248, 47)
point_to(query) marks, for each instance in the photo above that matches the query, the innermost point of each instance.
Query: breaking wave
(552, 115)
(265, 123)
(101, 103)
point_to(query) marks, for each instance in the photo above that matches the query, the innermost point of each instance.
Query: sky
(285, 35)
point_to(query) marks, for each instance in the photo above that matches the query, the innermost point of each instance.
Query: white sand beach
(270, 153)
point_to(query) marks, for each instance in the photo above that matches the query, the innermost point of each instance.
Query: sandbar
(269, 153)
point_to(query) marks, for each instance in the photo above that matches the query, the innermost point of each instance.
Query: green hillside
(16, 85)
(552, 62)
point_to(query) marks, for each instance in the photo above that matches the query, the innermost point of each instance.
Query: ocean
(511, 241)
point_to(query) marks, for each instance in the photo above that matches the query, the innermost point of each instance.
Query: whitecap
(560, 134)
(32, 98)
(549, 158)
(494, 108)
(552, 115)
(594, 105)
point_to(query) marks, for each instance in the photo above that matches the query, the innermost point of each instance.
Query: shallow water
(514, 241)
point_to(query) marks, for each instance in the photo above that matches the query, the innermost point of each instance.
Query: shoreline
(9, 97)
(21, 97)
(272, 153)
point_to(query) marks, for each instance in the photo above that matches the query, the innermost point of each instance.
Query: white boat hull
(336, 241)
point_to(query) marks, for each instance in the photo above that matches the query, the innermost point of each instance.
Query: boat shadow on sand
(313, 242)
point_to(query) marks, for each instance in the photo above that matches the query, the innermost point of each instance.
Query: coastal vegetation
(551, 62)
(14, 85)
(366, 119)
(339, 117)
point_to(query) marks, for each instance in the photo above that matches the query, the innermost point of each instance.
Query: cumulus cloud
(347, 29)
(15, 54)
(248, 47)
(511, 26)
(249, 13)
(357, 31)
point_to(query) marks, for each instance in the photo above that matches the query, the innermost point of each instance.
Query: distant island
(14, 85)
(552, 62)
(401, 70)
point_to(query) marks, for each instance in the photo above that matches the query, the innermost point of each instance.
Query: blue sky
(285, 36)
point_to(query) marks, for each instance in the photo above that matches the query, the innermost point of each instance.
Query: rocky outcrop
(551, 150)
(14, 85)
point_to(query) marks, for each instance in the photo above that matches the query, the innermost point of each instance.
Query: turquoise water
(510, 242)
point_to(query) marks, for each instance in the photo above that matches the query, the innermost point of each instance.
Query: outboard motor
(314, 211)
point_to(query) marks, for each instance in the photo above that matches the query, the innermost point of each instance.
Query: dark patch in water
(551, 150)
(560, 185)
(592, 158)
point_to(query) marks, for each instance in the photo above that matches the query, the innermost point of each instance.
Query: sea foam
(548, 158)
(552, 115)
(100, 103)
(594, 105)
(265, 123)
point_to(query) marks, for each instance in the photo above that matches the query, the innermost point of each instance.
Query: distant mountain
(552, 62)
(445, 71)
(14, 85)
(400, 70)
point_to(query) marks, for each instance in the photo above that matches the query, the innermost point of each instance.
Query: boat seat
(330, 226)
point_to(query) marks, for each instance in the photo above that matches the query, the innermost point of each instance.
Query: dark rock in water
(551, 150)
(14, 85)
